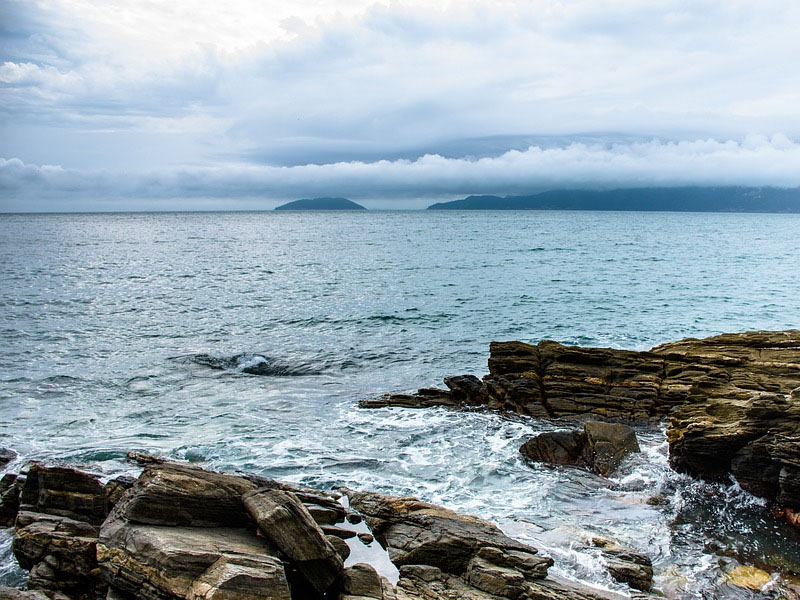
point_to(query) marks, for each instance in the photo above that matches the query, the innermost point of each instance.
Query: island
(321, 204)
(677, 199)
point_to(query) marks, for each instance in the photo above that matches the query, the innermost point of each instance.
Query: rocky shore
(732, 402)
(181, 532)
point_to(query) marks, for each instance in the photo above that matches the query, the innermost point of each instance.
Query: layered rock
(56, 530)
(551, 380)
(180, 532)
(757, 440)
(599, 446)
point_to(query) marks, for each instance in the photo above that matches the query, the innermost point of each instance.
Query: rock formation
(729, 399)
(550, 380)
(181, 532)
(599, 446)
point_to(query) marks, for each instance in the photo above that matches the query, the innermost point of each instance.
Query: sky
(151, 104)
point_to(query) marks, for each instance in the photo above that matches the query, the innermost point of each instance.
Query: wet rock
(748, 577)
(466, 389)
(6, 456)
(284, 520)
(10, 490)
(599, 446)
(14, 594)
(607, 444)
(757, 440)
(556, 448)
(345, 534)
(629, 566)
(366, 538)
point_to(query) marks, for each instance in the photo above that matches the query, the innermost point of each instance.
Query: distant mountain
(679, 199)
(321, 204)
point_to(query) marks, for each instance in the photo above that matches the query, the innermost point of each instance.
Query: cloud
(146, 90)
(755, 161)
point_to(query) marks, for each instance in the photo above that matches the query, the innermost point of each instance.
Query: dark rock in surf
(599, 446)
(6, 456)
(10, 490)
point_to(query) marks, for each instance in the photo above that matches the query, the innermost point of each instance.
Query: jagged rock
(284, 520)
(556, 447)
(466, 389)
(10, 490)
(60, 552)
(415, 532)
(117, 487)
(757, 440)
(631, 567)
(599, 446)
(423, 398)
(431, 583)
(6, 456)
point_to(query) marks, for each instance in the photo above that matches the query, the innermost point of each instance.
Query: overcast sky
(123, 104)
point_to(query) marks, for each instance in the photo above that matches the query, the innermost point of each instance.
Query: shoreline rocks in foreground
(181, 532)
(733, 400)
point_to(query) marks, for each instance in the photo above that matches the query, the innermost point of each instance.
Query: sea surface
(127, 332)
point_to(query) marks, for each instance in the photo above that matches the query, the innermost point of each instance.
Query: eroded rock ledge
(181, 532)
(729, 398)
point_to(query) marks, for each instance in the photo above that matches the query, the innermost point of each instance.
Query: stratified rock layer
(551, 380)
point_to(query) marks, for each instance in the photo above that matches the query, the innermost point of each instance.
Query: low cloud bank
(754, 161)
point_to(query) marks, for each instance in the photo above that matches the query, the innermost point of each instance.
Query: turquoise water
(134, 331)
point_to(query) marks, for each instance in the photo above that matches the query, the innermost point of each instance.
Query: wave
(251, 364)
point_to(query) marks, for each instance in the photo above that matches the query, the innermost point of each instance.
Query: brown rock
(174, 494)
(599, 446)
(288, 525)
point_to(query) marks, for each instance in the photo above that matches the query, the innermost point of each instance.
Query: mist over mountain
(686, 199)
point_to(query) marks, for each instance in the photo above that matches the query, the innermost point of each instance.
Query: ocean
(133, 331)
